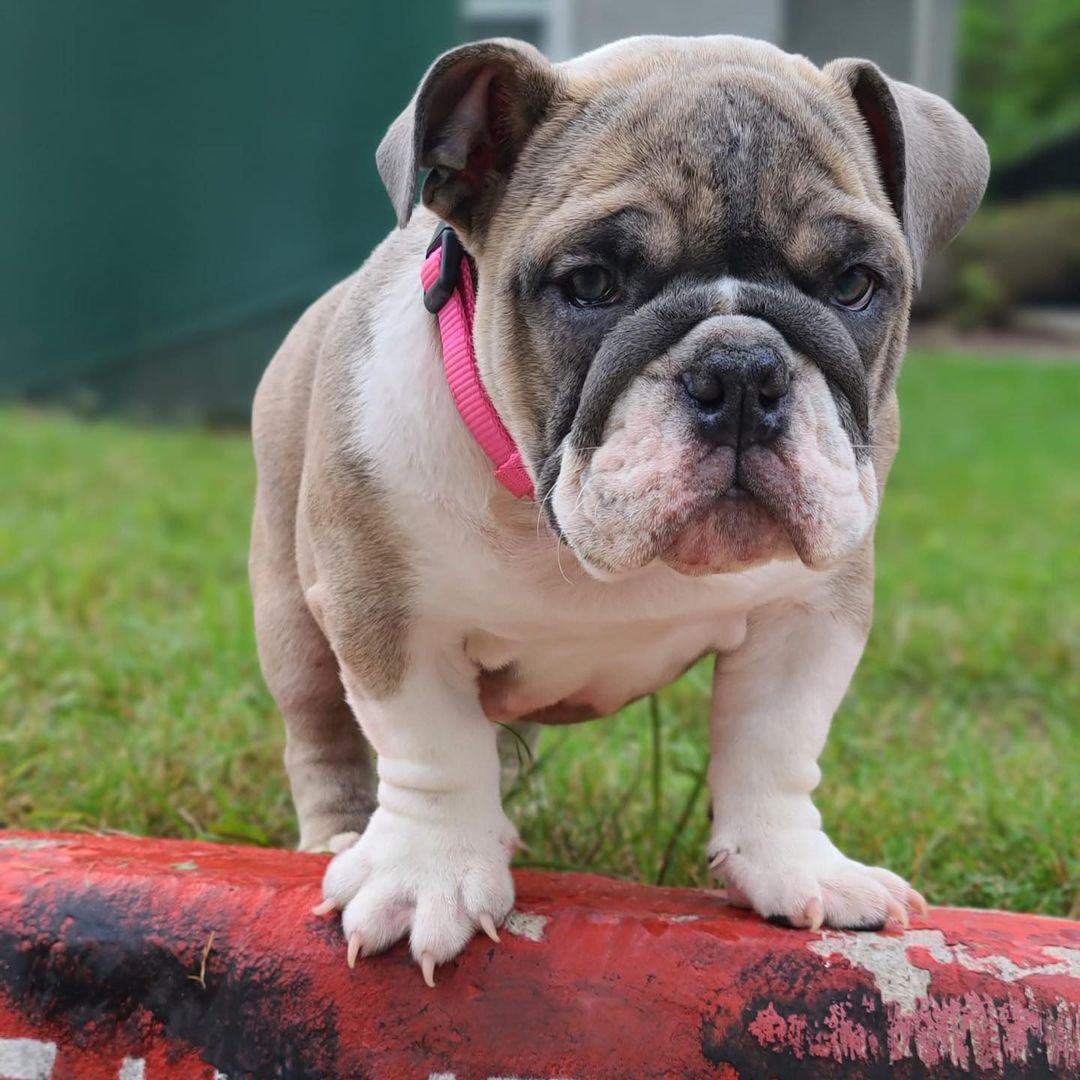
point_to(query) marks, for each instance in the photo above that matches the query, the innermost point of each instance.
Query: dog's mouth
(730, 530)
(772, 509)
(716, 513)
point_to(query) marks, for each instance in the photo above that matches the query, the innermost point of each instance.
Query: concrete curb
(131, 958)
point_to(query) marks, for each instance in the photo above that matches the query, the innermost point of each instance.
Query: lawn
(130, 697)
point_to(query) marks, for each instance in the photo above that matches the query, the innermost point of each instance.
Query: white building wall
(912, 40)
(595, 22)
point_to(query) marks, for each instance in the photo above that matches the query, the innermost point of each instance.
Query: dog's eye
(854, 288)
(590, 285)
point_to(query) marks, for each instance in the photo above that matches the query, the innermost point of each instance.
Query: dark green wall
(178, 179)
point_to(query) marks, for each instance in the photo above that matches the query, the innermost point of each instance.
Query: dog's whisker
(558, 560)
(540, 509)
(581, 494)
(589, 535)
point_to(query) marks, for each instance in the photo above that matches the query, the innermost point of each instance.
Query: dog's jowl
(617, 394)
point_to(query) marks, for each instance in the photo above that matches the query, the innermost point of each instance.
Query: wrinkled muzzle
(719, 427)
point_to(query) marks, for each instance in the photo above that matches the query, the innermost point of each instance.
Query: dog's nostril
(773, 377)
(772, 387)
(704, 388)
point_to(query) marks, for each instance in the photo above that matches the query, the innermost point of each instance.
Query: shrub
(1020, 253)
(980, 300)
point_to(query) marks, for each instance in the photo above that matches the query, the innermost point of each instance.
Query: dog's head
(696, 260)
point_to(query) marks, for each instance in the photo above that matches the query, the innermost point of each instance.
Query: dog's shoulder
(279, 411)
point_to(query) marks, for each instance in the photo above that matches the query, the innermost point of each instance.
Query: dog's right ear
(467, 122)
(932, 163)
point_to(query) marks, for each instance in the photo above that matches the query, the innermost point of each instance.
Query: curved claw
(897, 913)
(917, 901)
(814, 914)
(718, 860)
(427, 967)
(487, 924)
(324, 907)
(354, 949)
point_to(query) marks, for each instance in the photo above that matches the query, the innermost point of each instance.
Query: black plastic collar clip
(449, 268)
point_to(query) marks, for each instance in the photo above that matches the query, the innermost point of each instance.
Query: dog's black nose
(738, 399)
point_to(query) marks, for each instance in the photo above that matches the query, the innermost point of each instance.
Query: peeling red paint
(103, 938)
(973, 1033)
(838, 1037)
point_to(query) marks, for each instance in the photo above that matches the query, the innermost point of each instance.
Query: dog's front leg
(773, 701)
(434, 860)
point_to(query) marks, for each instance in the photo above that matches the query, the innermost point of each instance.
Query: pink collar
(451, 295)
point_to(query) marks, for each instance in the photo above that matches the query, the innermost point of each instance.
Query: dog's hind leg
(328, 760)
(326, 755)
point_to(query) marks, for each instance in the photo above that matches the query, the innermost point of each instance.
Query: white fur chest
(562, 638)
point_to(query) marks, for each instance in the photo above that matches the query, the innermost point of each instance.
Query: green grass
(130, 697)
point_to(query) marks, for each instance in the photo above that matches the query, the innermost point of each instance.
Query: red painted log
(151, 958)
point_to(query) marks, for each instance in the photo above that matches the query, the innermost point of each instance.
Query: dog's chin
(772, 512)
(714, 535)
(734, 533)
(754, 522)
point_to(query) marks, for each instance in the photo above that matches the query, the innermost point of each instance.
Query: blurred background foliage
(1019, 72)
(1015, 252)
(1018, 81)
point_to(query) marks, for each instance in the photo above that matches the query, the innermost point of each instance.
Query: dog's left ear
(933, 164)
(467, 122)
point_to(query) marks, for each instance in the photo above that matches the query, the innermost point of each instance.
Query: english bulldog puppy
(641, 409)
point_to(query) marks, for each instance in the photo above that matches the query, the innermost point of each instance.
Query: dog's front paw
(799, 876)
(438, 883)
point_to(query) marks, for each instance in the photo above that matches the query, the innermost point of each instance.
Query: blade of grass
(680, 824)
(655, 723)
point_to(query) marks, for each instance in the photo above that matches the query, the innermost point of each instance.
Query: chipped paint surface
(26, 843)
(1066, 961)
(885, 957)
(594, 978)
(526, 924)
(900, 980)
(32, 1059)
(26, 1059)
(972, 1031)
